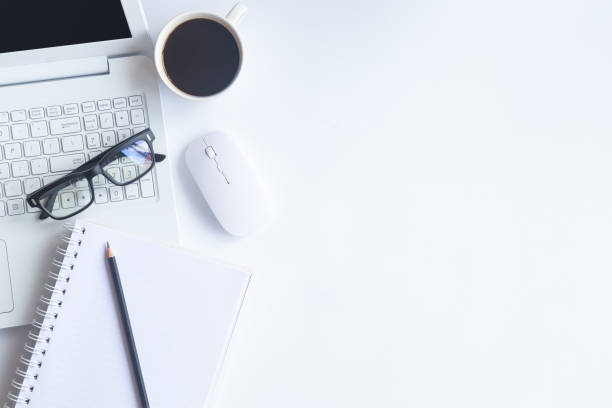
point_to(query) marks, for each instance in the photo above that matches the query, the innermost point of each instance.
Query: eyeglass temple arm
(51, 202)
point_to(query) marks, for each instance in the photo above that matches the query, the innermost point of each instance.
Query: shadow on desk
(11, 346)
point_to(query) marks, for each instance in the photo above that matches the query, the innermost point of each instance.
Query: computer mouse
(228, 182)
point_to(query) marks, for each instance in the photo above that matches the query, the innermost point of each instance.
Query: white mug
(231, 20)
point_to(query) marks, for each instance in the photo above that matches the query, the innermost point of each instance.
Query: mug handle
(236, 14)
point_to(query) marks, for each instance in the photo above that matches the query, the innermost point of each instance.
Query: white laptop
(73, 82)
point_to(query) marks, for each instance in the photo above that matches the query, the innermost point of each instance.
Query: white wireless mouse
(228, 183)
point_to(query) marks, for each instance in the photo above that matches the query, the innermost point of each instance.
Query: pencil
(127, 327)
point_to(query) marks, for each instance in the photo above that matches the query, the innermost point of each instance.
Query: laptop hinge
(46, 71)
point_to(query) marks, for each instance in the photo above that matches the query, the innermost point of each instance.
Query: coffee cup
(199, 55)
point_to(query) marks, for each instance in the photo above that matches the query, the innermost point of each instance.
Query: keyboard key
(88, 107)
(81, 183)
(15, 206)
(108, 138)
(129, 173)
(120, 103)
(71, 109)
(5, 135)
(65, 125)
(12, 151)
(31, 148)
(37, 113)
(122, 119)
(135, 100)
(93, 140)
(83, 197)
(30, 185)
(104, 104)
(116, 193)
(50, 179)
(146, 185)
(138, 117)
(2, 210)
(123, 134)
(53, 111)
(139, 129)
(4, 117)
(39, 129)
(106, 120)
(12, 188)
(67, 162)
(20, 168)
(99, 180)
(131, 191)
(67, 199)
(115, 173)
(4, 171)
(39, 166)
(20, 131)
(51, 146)
(100, 195)
(72, 143)
(94, 153)
(18, 115)
(91, 122)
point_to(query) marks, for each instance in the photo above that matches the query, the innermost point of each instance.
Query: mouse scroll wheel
(210, 152)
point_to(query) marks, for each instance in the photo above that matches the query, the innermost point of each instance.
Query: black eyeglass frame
(91, 169)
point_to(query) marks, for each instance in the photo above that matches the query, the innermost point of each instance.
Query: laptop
(74, 81)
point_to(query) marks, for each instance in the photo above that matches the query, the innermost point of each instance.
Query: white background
(442, 173)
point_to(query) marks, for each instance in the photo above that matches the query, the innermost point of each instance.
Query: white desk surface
(443, 172)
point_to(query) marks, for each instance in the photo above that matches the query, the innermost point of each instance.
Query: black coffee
(201, 57)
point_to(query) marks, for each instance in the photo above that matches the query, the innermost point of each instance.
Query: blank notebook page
(182, 309)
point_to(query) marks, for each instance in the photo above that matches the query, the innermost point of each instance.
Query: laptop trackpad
(6, 291)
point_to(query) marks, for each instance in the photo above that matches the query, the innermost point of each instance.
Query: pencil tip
(107, 244)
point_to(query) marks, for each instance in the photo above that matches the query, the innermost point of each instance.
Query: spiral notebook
(182, 308)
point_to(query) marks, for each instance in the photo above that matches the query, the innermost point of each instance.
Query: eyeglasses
(74, 192)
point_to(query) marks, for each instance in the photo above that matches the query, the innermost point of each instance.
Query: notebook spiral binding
(43, 323)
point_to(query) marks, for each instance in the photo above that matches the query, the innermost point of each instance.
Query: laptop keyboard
(40, 144)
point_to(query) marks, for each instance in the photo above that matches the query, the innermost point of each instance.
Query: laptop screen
(33, 24)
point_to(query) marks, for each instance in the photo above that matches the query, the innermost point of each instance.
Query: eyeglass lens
(68, 198)
(130, 163)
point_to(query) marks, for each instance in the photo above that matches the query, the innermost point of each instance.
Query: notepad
(182, 308)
